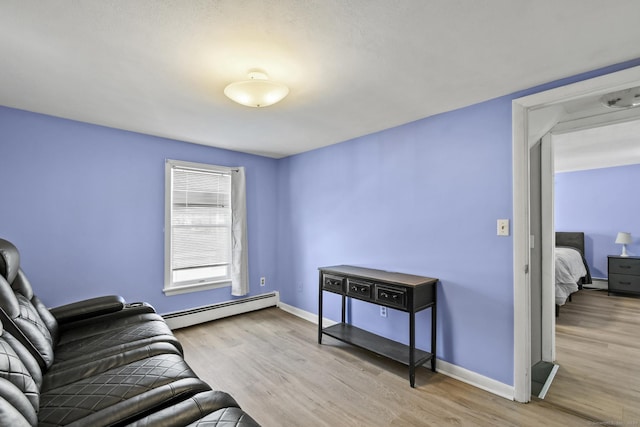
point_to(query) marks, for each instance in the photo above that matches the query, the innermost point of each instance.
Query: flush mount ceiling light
(622, 99)
(258, 91)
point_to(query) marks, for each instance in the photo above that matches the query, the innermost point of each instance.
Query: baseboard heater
(182, 319)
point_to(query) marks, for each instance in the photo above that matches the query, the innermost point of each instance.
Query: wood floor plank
(270, 361)
(598, 350)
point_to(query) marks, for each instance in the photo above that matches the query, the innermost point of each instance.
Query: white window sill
(195, 288)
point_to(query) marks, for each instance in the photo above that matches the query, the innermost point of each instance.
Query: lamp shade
(258, 91)
(623, 238)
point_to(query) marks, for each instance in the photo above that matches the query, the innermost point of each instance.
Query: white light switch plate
(503, 227)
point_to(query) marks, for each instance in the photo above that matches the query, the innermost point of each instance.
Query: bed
(572, 270)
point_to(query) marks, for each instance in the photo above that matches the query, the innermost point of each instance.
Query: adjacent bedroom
(597, 263)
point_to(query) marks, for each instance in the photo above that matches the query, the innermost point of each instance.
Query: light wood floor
(270, 362)
(598, 350)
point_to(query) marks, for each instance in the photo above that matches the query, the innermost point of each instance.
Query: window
(198, 227)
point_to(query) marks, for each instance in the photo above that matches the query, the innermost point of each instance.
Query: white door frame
(528, 126)
(548, 242)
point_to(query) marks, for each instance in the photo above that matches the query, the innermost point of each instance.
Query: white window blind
(199, 222)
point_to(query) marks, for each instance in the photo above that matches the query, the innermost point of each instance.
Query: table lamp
(624, 239)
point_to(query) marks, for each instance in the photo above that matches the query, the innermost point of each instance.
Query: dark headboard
(575, 239)
(571, 239)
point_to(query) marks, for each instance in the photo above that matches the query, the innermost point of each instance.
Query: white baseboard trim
(313, 318)
(598, 284)
(475, 379)
(445, 368)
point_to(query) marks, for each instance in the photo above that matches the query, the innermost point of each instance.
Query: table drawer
(359, 288)
(394, 297)
(624, 266)
(624, 283)
(333, 283)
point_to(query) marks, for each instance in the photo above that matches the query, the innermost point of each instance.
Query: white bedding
(569, 269)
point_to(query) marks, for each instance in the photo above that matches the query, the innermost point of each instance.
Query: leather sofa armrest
(130, 310)
(88, 308)
(208, 408)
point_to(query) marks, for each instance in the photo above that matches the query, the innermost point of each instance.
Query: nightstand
(624, 274)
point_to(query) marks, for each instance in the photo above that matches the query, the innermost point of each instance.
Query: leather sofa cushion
(15, 408)
(114, 341)
(13, 370)
(125, 401)
(94, 366)
(235, 417)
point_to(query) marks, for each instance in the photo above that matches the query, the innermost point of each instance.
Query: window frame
(170, 288)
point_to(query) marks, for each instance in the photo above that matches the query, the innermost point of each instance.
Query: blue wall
(84, 204)
(600, 202)
(420, 199)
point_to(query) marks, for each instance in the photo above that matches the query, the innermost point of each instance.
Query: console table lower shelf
(385, 347)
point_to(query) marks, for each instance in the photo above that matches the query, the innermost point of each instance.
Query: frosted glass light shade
(258, 91)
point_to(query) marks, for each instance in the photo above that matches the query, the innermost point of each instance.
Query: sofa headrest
(8, 300)
(9, 260)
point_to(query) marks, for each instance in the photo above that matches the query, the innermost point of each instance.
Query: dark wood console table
(403, 292)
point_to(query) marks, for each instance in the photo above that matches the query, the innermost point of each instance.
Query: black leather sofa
(97, 362)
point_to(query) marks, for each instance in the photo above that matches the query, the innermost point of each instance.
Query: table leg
(412, 347)
(320, 310)
(434, 316)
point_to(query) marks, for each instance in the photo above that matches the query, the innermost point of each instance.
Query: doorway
(534, 116)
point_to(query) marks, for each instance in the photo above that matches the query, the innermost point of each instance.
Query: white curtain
(239, 247)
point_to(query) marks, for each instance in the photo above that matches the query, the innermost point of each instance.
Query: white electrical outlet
(503, 227)
(263, 281)
(383, 311)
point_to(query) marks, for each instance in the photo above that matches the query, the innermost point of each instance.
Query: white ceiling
(611, 145)
(354, 67)
(591, 135)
